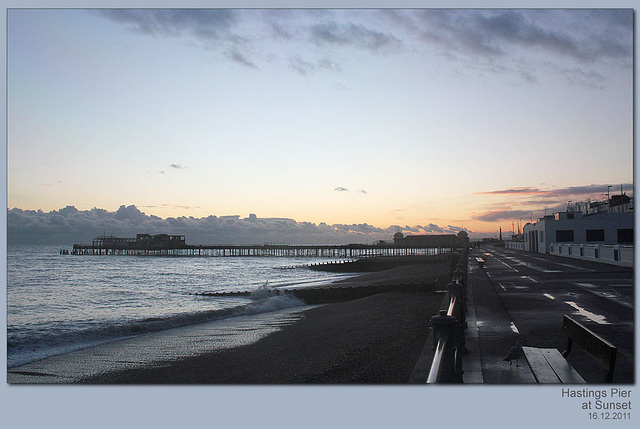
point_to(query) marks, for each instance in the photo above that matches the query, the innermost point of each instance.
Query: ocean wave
(25, 346)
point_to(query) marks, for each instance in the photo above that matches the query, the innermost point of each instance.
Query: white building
(592, 230)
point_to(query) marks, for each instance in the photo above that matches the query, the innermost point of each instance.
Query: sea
(61, 303)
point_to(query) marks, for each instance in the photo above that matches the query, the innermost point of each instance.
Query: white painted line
(588, 314)
(611, 295)
(514, 328)
(508, 266)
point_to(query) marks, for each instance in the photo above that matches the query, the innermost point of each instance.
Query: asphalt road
(536, 290)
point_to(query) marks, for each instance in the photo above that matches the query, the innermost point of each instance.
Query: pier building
(432, 240)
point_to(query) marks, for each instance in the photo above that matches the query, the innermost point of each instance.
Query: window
(564, 235)
(541, 237)
(625, 236)
(595, 235)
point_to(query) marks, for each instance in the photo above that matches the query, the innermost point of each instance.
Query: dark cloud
(241, 59)
(586, 78)
(69, 226)
(568, 191)
(497, 40)
(433, 228)
(498, 215)
(494, 40)
(585, 35)
(349, 34)
(202, 23)
(341, 189)
(304, 67)
(517, 191)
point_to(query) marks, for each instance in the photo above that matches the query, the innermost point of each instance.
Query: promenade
(520, 296)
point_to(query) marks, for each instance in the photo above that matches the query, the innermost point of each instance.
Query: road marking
(507, 265)
(588, 314)
(608, 293)
(514, 328)
(583, 312)
(512, 285)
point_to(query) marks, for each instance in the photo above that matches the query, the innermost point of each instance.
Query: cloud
(498, 215)
(490, 40)
(537, 200)
(69, 225)
(341, 189)
(241, 59)
(498, 41)
(512, 191)
(579, 77)
(355, 35)
(584, 35)
(587, 190)
(177, 166)
(210, 24)
(304, 68)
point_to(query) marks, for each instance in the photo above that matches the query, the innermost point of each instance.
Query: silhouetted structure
(435, 240)
(175, 245)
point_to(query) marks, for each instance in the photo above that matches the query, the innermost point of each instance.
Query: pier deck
(175, 245)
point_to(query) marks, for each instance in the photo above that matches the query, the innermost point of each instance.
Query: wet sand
(377, 339)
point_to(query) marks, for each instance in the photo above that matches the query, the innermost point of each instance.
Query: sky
(420, 120)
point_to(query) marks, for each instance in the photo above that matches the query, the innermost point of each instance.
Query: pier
(175, 245)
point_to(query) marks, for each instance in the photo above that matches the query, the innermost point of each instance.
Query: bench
(600, 349)
(551, 366)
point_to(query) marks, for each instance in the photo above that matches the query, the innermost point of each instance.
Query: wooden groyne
(323, 295)
(175, 245)
(385, 275)
(380, 263)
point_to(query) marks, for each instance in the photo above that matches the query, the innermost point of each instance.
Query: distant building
(609, 222)
(435, 240)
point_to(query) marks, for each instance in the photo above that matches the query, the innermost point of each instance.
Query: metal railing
(449, 327)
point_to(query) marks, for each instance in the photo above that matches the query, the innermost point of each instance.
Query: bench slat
(563, 369)
(542, 371)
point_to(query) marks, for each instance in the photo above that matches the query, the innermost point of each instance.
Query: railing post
(443, 326)
(445, 340)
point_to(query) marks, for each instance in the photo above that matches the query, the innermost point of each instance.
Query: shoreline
(375, 339)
